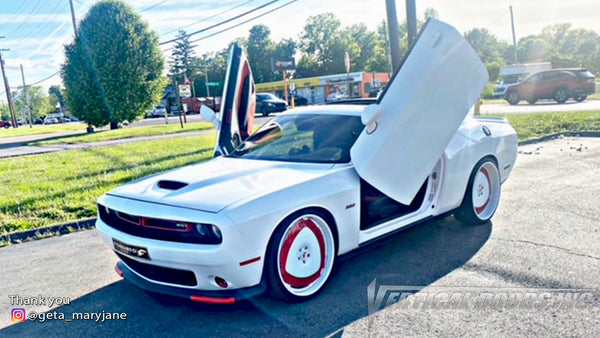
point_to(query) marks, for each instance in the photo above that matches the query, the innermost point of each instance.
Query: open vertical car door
(411, 124)
(238, 103)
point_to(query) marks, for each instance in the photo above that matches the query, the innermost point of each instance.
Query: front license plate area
(131, 250)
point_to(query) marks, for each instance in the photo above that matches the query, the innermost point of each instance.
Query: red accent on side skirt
(212, 300)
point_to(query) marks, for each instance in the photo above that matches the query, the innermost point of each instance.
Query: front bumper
(175, 266)
(200, 296)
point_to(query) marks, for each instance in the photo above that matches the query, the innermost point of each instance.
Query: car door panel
(422, 107)
(238, 105)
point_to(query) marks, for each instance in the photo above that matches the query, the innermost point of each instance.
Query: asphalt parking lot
(545, 235)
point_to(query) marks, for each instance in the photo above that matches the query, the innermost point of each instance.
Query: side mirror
(370, 115)
(210, 116)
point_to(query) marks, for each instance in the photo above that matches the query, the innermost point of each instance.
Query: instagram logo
(17, 315)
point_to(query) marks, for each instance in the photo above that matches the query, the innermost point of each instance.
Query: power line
(153, 6)
(241, 23)
(207, 18)
(25, 20)
(220, 23)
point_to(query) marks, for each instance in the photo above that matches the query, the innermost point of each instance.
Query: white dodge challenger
(274, 209)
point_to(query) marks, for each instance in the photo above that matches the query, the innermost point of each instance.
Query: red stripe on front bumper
(212, 300)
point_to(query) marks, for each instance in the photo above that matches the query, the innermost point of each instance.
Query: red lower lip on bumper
(118, 271)
(212, 300)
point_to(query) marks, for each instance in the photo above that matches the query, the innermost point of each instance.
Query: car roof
(340, 109)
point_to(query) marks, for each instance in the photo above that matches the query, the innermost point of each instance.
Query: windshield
(315, 138)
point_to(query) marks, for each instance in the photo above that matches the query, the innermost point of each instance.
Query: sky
(35, 31)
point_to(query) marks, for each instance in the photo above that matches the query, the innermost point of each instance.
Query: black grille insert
(159, 273)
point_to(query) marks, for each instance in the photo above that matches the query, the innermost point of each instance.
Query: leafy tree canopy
(113, 69)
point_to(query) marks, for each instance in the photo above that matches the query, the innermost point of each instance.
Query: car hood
(212, 186)
(274, 101)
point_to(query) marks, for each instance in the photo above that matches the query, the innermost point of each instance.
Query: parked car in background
(557, 84)
(512, 74)
(5, 124)
(159, 111)
(38, 121)
(50, 120)
(267, 103)
(298, 100)
(335, 96)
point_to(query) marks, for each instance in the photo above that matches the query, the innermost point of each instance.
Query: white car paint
(248, 198)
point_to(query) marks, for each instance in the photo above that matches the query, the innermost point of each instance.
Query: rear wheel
(512, 98)
(482, 195)
(561, 95)
(580, 98)
(300, 256)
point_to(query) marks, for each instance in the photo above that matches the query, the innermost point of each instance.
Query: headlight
(210, 232)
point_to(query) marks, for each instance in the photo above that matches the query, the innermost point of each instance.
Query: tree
(113, 69)
(260, 52)
(39, 103)
(491, 50)
(56, 96)
(183, 62)
(319, 31)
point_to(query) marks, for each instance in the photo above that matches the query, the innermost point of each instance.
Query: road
(540, 106)
(546, 234)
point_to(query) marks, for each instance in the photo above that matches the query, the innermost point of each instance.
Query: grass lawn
(42, 129)
(60, 187)
(127, 132)
(536, 125)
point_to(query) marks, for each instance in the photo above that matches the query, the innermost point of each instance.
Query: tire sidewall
(466, 211)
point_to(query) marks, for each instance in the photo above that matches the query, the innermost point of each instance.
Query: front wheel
(561, 95)
(580, 98)
(482, 195)
(512, 98)
(300, 257)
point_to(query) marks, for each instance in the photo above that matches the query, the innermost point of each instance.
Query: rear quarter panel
(469, 145)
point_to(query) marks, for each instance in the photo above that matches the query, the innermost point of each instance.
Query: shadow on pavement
(418, 256)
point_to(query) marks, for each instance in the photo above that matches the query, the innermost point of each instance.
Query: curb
(565, 134)
(49, 231)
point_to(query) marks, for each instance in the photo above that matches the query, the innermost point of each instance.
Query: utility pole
(411, 21)
(11, 107)
(392, 22)
(512, 24)
(73, 17)
(26, 97)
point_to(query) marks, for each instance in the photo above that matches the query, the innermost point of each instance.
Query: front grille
(159, 273)
(153, 228)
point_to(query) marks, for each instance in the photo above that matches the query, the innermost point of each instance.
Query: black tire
(532, 101)
(581, 98)
(561, 95)
(482, 195)
(513, 98)
(291, 235)
(6, 126)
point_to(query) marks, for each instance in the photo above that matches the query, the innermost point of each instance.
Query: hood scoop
(171, 185)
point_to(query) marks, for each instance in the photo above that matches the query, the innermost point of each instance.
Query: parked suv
(557, 84)
(5, 124)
